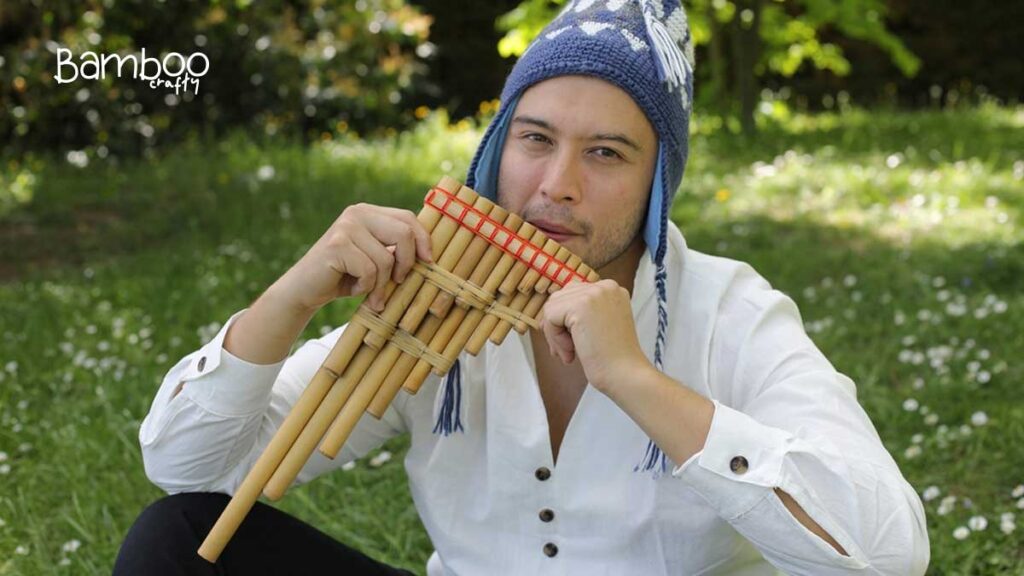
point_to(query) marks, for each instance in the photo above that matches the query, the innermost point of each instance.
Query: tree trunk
(746, 46)
(718, 90)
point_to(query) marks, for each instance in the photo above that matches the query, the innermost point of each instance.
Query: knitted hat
(643, 47)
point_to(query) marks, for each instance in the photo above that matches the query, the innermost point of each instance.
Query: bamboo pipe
(443, 301)
(503, 269)
(533, 277)
(524, 291)
(337, 361)
(440, 238)
(506, 289)
(449, 258)
(488, 273)
(494, 260)
(370, 384)
(533, 306)
(248, 492)
(540, 295)
(468, 326)
(300, 450)
(393, 383)
(351, 410)
(511, 282)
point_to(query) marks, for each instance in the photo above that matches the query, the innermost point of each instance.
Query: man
(673, 418)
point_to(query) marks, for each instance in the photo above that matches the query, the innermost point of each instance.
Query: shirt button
(202, 364)
(550, 549)
(738, 465)
(547, 515)
(542, 473)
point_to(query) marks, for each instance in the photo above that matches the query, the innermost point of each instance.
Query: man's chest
(561, 388)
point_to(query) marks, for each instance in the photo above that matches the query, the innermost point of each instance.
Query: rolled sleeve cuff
(740, 463)
(222, 383)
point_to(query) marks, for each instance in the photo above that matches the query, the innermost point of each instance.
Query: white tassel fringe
(671, 62)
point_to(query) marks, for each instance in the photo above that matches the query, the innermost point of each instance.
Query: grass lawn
(898, 234)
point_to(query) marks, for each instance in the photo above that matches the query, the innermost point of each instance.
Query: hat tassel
(669, 58)
(654, 455)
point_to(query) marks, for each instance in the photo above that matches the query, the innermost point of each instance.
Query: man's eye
(608, 153)
(534, 137)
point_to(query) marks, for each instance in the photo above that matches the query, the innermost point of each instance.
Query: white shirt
(779, 403)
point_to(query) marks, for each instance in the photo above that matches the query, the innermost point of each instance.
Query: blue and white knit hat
(643, 47)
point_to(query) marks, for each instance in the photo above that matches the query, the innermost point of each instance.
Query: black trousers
(165, 537)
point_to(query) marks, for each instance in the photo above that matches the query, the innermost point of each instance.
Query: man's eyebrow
(535, 121)
(541, 123)
(621, 138)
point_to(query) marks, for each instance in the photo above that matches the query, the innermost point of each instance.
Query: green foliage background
(288, 68)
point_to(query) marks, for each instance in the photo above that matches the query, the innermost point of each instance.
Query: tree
(297, 68)
(749, 38)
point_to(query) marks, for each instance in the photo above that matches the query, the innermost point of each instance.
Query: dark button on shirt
(202, 364)
(547, 515)
(550, 549)
(738, 465)
(542, 473)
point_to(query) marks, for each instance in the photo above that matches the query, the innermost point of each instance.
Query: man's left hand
(593, 321)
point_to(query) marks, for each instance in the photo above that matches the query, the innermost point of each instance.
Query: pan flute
(492, 272)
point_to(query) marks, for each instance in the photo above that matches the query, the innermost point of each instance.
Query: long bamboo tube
(492, 264)
(440, 238)
(487, 272)
(511, 282)
(537, 299)
(353, 408)
(393, 383)
(507, 289)
(468, 325)
(533, 275)
(337, 362)
(449, 258)
(477, 248)
(299, 453)
(506, 267)
(461, 325)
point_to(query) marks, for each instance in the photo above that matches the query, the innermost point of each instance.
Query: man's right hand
(365, 247)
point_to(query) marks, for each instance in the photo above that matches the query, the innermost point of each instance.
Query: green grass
(898, 234)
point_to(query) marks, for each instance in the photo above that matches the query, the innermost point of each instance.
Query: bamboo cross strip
(492, 273)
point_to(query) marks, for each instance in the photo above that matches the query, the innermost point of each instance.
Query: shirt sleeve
(207, 437)
(784, 417)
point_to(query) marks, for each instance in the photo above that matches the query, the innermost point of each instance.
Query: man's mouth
(554, 231)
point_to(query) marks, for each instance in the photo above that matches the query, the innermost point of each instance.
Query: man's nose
(563, 179)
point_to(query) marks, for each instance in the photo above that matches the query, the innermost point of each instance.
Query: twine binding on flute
(405, 341)
(470, 294)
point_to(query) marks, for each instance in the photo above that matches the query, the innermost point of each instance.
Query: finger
(396, 231)
(561, 342)
(576, 284)
(420, 235)
(359, 265)
(568, 293)
(405, 255)
(383, 262)
(557, 335)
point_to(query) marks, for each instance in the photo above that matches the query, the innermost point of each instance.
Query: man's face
(579, 157)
